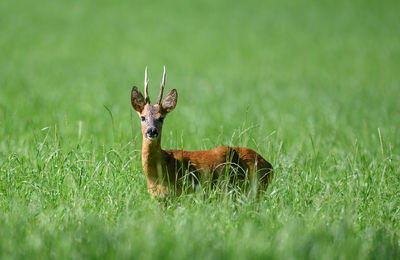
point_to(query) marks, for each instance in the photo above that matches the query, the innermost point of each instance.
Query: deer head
(152, 116)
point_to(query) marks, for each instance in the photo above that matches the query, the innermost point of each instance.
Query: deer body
(165, 169)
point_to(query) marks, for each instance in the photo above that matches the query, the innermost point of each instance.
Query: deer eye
(143, 118)
(161, 119)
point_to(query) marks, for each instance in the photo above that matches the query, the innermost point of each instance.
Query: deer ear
(137, 99)
(170, 100)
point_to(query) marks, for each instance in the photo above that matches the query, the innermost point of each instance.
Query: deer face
(152, 116)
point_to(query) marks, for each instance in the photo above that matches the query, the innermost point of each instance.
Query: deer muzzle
(152, 133)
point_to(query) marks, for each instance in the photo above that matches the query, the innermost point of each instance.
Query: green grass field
(313, 86)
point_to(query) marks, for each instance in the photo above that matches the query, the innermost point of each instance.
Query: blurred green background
(313, 86)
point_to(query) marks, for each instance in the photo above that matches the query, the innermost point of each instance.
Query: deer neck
(152, 157)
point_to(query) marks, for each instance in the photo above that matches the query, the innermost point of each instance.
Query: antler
(161, 88)
(146, 87)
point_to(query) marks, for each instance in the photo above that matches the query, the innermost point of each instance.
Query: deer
(165, 168)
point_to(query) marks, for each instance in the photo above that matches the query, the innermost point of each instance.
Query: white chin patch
(151, 138)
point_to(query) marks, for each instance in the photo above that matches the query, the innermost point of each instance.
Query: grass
(312, 86)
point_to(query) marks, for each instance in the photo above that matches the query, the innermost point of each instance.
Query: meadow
(313, 86)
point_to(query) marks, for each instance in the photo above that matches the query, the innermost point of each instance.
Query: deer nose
(152, 132)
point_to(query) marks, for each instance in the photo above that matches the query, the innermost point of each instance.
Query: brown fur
(165, 169)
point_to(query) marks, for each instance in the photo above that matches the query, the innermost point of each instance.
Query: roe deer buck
(164, 168)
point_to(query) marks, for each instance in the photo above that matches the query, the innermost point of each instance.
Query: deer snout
(152, 133)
